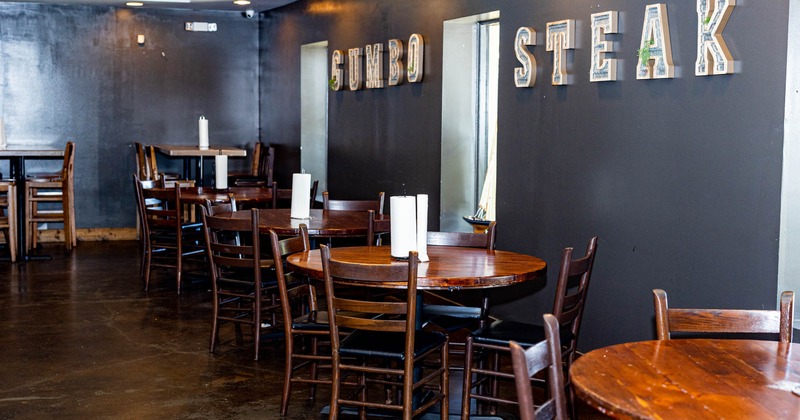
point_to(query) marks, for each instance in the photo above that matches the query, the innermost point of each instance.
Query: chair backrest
(527, 363)
(67, 169)
(377, 226)
(142, 162)
(463, 239)
(289, 293)
(213, 209)
(255, 160)
(755, 321)
(356, 205)
(280, 195)
(356, 312)
(161, 208)
(152, 163)
(231, 260)
(571, 291)
(266, 163)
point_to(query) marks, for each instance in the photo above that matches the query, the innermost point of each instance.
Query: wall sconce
(140, 40)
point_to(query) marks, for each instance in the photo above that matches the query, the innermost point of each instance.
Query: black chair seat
(388, 345)
(452, 323)
(501, 332)
(316, 321)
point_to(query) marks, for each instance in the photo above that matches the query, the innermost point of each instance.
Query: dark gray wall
(679, 178)
(76, 73)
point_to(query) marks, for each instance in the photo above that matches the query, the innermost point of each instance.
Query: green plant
(332, 83)
(644, 52)
(707, 20)
(411, 68)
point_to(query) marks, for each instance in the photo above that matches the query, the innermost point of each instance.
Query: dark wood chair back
(571, 290)
(528, 363)
(234, 254)
(669, 320)
(378, 227)
(466, 240)
(355, 205)
(463, 239)
(284, 195)
(364, 313)
(142, 162)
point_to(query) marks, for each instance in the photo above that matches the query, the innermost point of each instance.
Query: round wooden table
(449, 268)
(326, 223)
(691, 379)
(199, 195)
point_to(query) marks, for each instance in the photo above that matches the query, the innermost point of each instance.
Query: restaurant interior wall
(77, 73)
(680, 178)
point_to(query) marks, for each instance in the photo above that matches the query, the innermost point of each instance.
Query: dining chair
(169, 240)
(305, 325)
(385, 348)
(454, 317)
(751, 321)
(8, 216)
(355, 205)
(49, 198)
(264, 172)
(243, 294)
(282, 197)
(528, 363)
(142, 162)
(252, 171)
(152, 163)
(486, 345)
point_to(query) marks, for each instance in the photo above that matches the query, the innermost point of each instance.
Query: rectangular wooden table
(17, 158)
(189, 154)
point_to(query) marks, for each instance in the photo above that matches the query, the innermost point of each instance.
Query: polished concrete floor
(81, 339)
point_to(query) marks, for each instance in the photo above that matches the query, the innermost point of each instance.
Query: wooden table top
(691, 379)
(14, 152)
(449, 268)
(198, 195)
(322, 222)
(189, 151)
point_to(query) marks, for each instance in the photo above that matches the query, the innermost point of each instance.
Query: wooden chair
(243, 294)
(264, 173)
(493, 340)
(283, 196)
(142, 162)
(252, 171)
(304, 325)
(527, 363)
(356, 205)
(454, 317)
(152, 163)
(384, 333)
(49, 198)
(669, 320)
(8, 216)
(169, 240)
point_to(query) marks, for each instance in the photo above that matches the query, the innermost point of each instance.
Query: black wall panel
(680, 178)
(77, 73)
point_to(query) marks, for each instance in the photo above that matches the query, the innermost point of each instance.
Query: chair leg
(445, 383)
(467, 380)
(287, 375)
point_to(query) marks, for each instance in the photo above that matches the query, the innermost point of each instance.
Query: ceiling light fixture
(134, 4)
(242, 2)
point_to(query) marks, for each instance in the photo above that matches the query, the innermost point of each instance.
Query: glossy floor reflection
(81, 339)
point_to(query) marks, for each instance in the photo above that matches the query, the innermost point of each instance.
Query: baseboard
(93, 234)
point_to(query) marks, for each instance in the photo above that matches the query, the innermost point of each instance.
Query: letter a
(656, 43)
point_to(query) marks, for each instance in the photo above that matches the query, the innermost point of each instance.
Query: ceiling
(257, 5)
